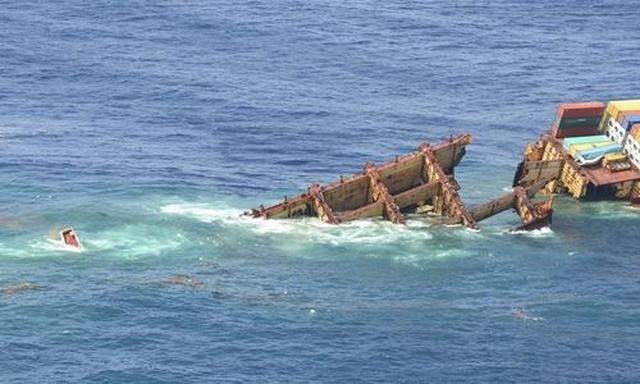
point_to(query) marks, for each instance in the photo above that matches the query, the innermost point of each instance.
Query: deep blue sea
(150, 126)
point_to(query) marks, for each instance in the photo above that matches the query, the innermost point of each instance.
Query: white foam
(410, 243)
(25, 248)
(312, 229)
(535, 233)
(51, 245)
(135, 240)
(430, 253)
(356, 232)
(128, 241)
(202, 212)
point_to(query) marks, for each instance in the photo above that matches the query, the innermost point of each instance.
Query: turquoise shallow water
(150, 128)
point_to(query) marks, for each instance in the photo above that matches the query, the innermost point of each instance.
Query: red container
(588, 109)
(574, 132)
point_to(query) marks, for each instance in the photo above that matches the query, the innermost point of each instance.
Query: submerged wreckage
(592, 151)
(421, 182)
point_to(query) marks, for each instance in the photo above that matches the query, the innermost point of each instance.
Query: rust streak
(380, 192)
(452, 205)
(325, 213)
(533, 215)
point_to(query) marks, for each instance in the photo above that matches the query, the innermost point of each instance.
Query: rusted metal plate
(299, 206)
(449, 154)
(325, 212)
(416, 195)
(493, 207)
(533, 215)
(505, 202)
(601, 176)
(375, 209)
(543, 221)
(533, 171)
(405, 175)
(402, 200)
(351, 194)
(380, 192)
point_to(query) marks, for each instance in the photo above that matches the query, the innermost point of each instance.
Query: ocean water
(150, 126)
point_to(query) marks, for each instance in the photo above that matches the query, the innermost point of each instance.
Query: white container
(632, 150)
(615, 132)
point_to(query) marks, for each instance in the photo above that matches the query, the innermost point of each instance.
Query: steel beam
(448, 202)
(324, 211)
(381, 193)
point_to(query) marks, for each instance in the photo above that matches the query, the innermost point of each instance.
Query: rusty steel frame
(448, 202)
(322, 208)
(533, 215)
(380, 192)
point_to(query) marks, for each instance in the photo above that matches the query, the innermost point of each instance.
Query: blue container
(629, 121)
(569, 141)
(594, 153)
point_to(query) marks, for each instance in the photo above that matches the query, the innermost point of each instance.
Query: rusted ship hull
(420, 182)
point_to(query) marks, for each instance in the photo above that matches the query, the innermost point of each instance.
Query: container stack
(577, 119)
(615, 131)
(574, 145)
(618, 122)
(590, 150)
(618, 130)
(573, 180)
(617, 110)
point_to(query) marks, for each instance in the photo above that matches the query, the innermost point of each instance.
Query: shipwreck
(591, 152)
(421, 182)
